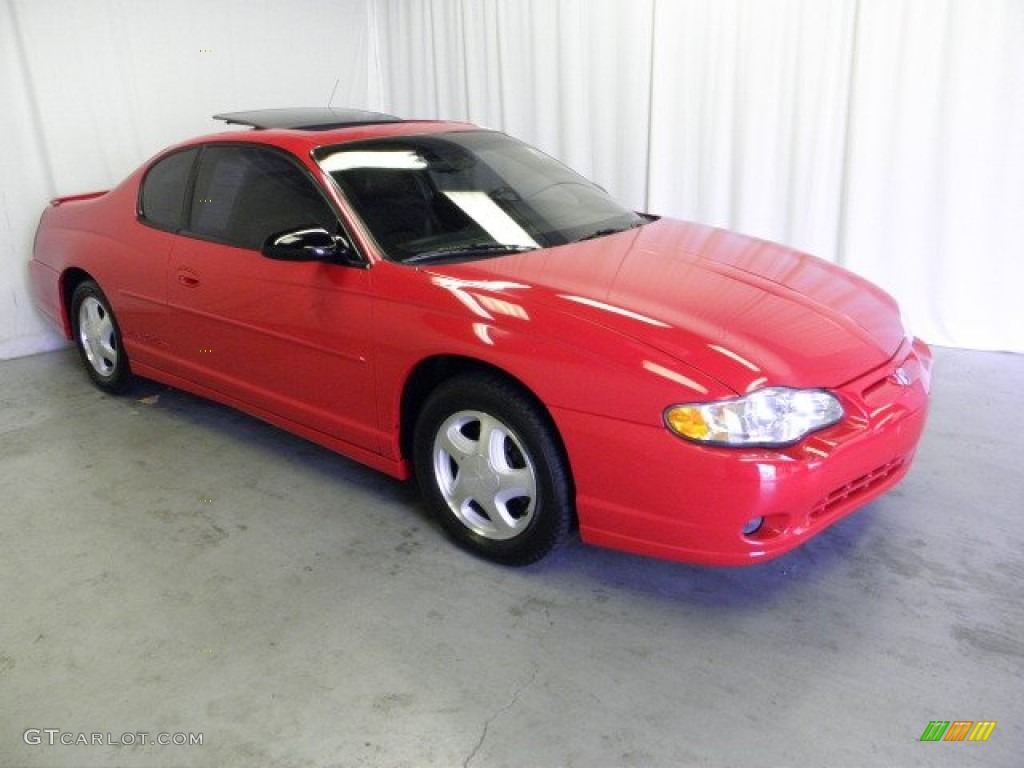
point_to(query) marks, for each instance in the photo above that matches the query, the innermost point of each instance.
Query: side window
(162, 199)
(243, 195)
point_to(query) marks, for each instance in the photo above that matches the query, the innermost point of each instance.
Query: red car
(438, 300)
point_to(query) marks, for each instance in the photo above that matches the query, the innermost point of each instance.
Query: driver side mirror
(308, 245)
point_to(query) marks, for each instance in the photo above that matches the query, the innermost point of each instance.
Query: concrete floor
(171, 566)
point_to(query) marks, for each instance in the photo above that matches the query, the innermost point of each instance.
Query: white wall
(886, 135)
(91, 88)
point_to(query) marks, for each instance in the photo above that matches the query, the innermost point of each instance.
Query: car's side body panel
(99, 235)
(396, 468)
(288, 338)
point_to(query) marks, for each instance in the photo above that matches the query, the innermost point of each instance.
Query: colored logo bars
(958, 730)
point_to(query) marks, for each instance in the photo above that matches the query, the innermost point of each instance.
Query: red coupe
(438, 300)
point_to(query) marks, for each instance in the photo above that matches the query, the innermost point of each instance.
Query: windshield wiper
(608, 231)
(467, 249)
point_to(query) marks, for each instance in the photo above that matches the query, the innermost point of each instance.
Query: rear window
(162, 200)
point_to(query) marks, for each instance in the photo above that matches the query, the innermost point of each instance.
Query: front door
(289, 338)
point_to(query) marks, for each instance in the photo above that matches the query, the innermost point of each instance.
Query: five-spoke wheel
(491, 468)
(98, 338)
(484, 474)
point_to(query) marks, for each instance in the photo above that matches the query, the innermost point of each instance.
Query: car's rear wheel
(98, 338)
(492, 471)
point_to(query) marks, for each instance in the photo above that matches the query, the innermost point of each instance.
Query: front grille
(856, 488)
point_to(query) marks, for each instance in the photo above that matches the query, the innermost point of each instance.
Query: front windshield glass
(467, 195)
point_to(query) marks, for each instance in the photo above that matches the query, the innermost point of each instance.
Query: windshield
(468, 195)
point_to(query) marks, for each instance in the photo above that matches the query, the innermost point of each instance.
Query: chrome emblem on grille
(901, 377)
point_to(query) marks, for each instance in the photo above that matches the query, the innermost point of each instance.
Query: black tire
(510, 500)
(98, 338)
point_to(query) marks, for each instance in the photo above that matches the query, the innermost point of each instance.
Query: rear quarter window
(162, 198)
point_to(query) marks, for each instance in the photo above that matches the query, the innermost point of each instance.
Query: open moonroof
(306, 118)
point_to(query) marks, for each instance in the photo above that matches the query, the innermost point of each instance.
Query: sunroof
(306, 118)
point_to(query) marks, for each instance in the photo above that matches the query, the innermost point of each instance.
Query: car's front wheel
(98, 338)
(491, 469)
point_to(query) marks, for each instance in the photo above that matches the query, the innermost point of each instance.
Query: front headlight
(774, 416)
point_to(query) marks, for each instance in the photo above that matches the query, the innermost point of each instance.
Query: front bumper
(643, 490)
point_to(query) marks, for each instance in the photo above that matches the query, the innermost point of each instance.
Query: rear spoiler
(77, 198)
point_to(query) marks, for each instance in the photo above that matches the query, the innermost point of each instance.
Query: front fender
(568, 363)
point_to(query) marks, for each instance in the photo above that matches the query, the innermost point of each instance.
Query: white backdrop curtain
(89, 89)
(885, 135)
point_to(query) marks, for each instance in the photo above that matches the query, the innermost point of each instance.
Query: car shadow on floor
(752, 586)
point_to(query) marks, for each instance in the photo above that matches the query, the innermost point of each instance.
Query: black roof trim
(306, 118)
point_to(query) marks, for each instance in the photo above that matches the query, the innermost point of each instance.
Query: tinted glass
(468, 194)
(163, 190)
(244, 195)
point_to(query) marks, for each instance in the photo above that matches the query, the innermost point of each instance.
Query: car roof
(306, 118)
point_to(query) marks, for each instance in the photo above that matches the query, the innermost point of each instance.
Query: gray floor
(170, 566)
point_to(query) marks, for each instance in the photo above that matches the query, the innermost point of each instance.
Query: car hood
(747, 312)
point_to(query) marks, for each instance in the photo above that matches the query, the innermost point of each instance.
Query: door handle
(188, 278)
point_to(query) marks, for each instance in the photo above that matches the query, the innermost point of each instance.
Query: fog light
(752, 526)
